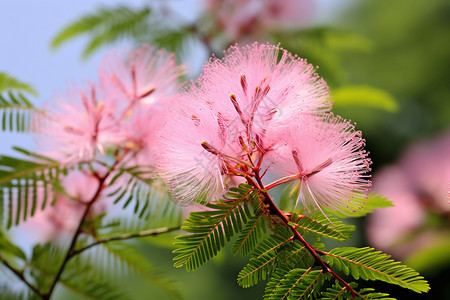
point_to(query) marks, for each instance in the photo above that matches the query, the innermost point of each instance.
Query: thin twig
(144, 233)
(20, 274)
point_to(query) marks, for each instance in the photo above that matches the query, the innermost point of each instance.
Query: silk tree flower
(246, 19)
(190, 150)
(324, 157)
(139, 84)
(255, 84)
(225, 114)
(418, 185)
(77, 125)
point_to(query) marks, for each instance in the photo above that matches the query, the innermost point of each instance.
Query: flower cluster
(261, 109)
(111, 122)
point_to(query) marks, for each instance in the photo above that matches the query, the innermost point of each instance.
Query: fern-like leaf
(300, 284)
(105, 26)
(319, 225)
(27, 185)
(337, 292)
(16, 111)
(370, 204)
(212, 227)
(148, 194)
(368, 264)
(264, 258)
(113, 260)
(250, 236)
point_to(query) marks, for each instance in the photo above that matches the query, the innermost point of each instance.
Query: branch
(314, 252)
(144, 233)
(21, 276)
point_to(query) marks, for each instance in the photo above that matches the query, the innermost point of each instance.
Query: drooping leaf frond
(105, 26)
(9, 248)
(368, 264)
(337, 292)
(149, 195)
(264, 258)
(26, 186)
(16, 111)
(318, 224)
(211, 227)
(93, 288)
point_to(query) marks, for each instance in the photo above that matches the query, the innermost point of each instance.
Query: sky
(26, 29)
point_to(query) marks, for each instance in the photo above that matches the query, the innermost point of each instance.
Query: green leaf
(363, 95)
(249, 237)
(264, 258)
(368, 264)
(318, 224)
(210, 228)
(371, 203)
(8, 247)
(16, 112)
(115, 259)
(337, 292)
(148, 194)
(300, 284)
(22, 181)
(9, 83)
(105, 26)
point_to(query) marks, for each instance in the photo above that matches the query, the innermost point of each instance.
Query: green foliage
(253, 232)
(299, 284)
(210, 228)
(25, 183)
(337, 292)
(149, 194)
(368, 264)
(109, 259)
(105, 26)
(9, 248)
(370, 204)
(366, 96)
(16, 110)
(264, 258)
(318, 224)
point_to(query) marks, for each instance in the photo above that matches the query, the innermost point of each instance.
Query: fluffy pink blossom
(190, 171)
(246, 19)
(228, 111)
(417, 185)
(77, 125)
(324, 157)
(255, 84)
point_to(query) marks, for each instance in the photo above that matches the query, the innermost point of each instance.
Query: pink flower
(417, 185)
(217, 122)
(246, 19)
(77, 125)
(139, 86)
(189, 170)
(324, 156)
(255, 84)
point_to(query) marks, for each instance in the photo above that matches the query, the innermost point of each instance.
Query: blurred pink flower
(324, 156)
(245, 19)
(77, 125)
(418, 184)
